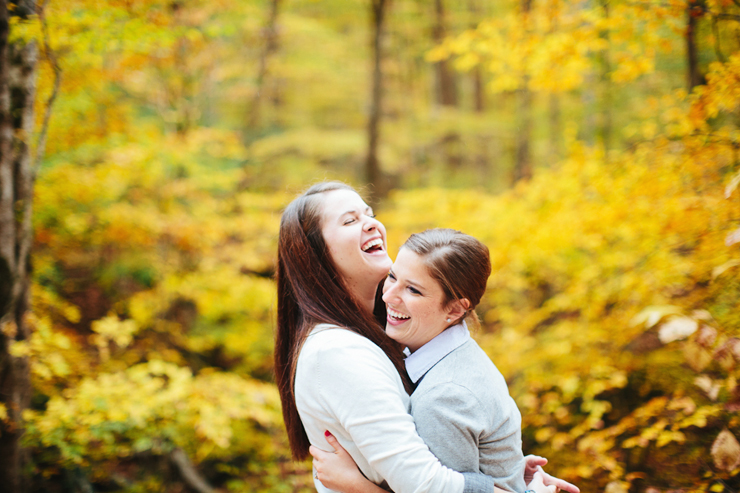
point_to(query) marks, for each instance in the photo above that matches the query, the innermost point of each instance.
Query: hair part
(311, 291)
(459, 262)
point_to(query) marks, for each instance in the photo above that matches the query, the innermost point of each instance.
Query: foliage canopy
(614, 307)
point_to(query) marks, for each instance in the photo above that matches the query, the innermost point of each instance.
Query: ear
(457, 308)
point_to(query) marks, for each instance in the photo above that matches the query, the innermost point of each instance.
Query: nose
(389, 292)
(371, 223)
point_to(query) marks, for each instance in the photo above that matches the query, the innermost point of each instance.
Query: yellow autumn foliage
(613, 309)
(606, 292)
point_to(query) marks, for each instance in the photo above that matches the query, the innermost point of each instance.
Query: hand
(538, 486)
(338, 471)
(534, 463)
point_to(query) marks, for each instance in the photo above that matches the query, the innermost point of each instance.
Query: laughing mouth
(397, 316)
(372, 246)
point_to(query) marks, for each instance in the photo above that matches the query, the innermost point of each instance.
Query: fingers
(558, 483)
(563, 485)
(333, 441)
(539, 479)
(338, 449)
(317, 453)
(534, 461)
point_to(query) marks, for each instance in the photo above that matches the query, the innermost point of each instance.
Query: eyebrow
(354, 211)
(412, 283)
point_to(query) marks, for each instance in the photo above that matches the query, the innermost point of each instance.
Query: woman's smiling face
(356, 241)
(415, 302)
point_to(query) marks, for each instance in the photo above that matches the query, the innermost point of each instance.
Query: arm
(339, 472)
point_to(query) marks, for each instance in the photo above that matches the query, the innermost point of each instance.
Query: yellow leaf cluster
(556, 45)
(153, 406)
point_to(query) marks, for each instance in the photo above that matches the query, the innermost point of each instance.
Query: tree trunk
(693, 11)
(523, 158)
(446, 85)
(446, 91)
(479, 97)
(270, 34)
(17, 92)
(373, 173)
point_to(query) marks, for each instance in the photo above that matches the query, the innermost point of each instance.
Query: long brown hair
(311, 291)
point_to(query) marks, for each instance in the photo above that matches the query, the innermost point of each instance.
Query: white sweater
(346, 384)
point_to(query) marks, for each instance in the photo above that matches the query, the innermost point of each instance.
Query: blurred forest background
(150, 145)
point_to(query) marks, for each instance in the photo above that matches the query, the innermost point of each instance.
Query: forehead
(337, 202)
(411, 265)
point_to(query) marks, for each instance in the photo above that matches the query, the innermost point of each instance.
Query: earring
(448, 319)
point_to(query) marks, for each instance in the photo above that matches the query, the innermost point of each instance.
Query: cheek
(339, 247)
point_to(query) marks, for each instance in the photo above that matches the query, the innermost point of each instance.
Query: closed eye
(414, 290)
(349, 221)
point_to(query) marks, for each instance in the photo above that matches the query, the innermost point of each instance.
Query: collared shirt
(423, 359)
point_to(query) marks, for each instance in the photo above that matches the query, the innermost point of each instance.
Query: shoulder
(334, 348)
(470, 363)
(325, 338)
(471, 349)
(467, 372)
(467, 363)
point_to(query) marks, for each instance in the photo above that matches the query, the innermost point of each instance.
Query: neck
(367, 301)
(365, 294)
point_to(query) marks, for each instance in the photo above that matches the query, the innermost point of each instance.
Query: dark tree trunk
(17, 92)
(479, 97)
(446, 84)
(270, 35)
(523, 158)
(693, 75)
(373, 173)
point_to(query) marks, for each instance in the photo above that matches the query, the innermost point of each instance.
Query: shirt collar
(423, 359)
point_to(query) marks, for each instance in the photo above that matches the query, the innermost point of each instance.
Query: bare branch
(188, 472)
(725, 17)
(52, 59)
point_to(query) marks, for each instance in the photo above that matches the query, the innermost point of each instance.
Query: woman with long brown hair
(336, 369)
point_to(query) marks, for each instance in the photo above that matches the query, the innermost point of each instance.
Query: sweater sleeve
(359, 387)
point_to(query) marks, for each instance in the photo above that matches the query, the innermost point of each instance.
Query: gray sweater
(464, 413)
